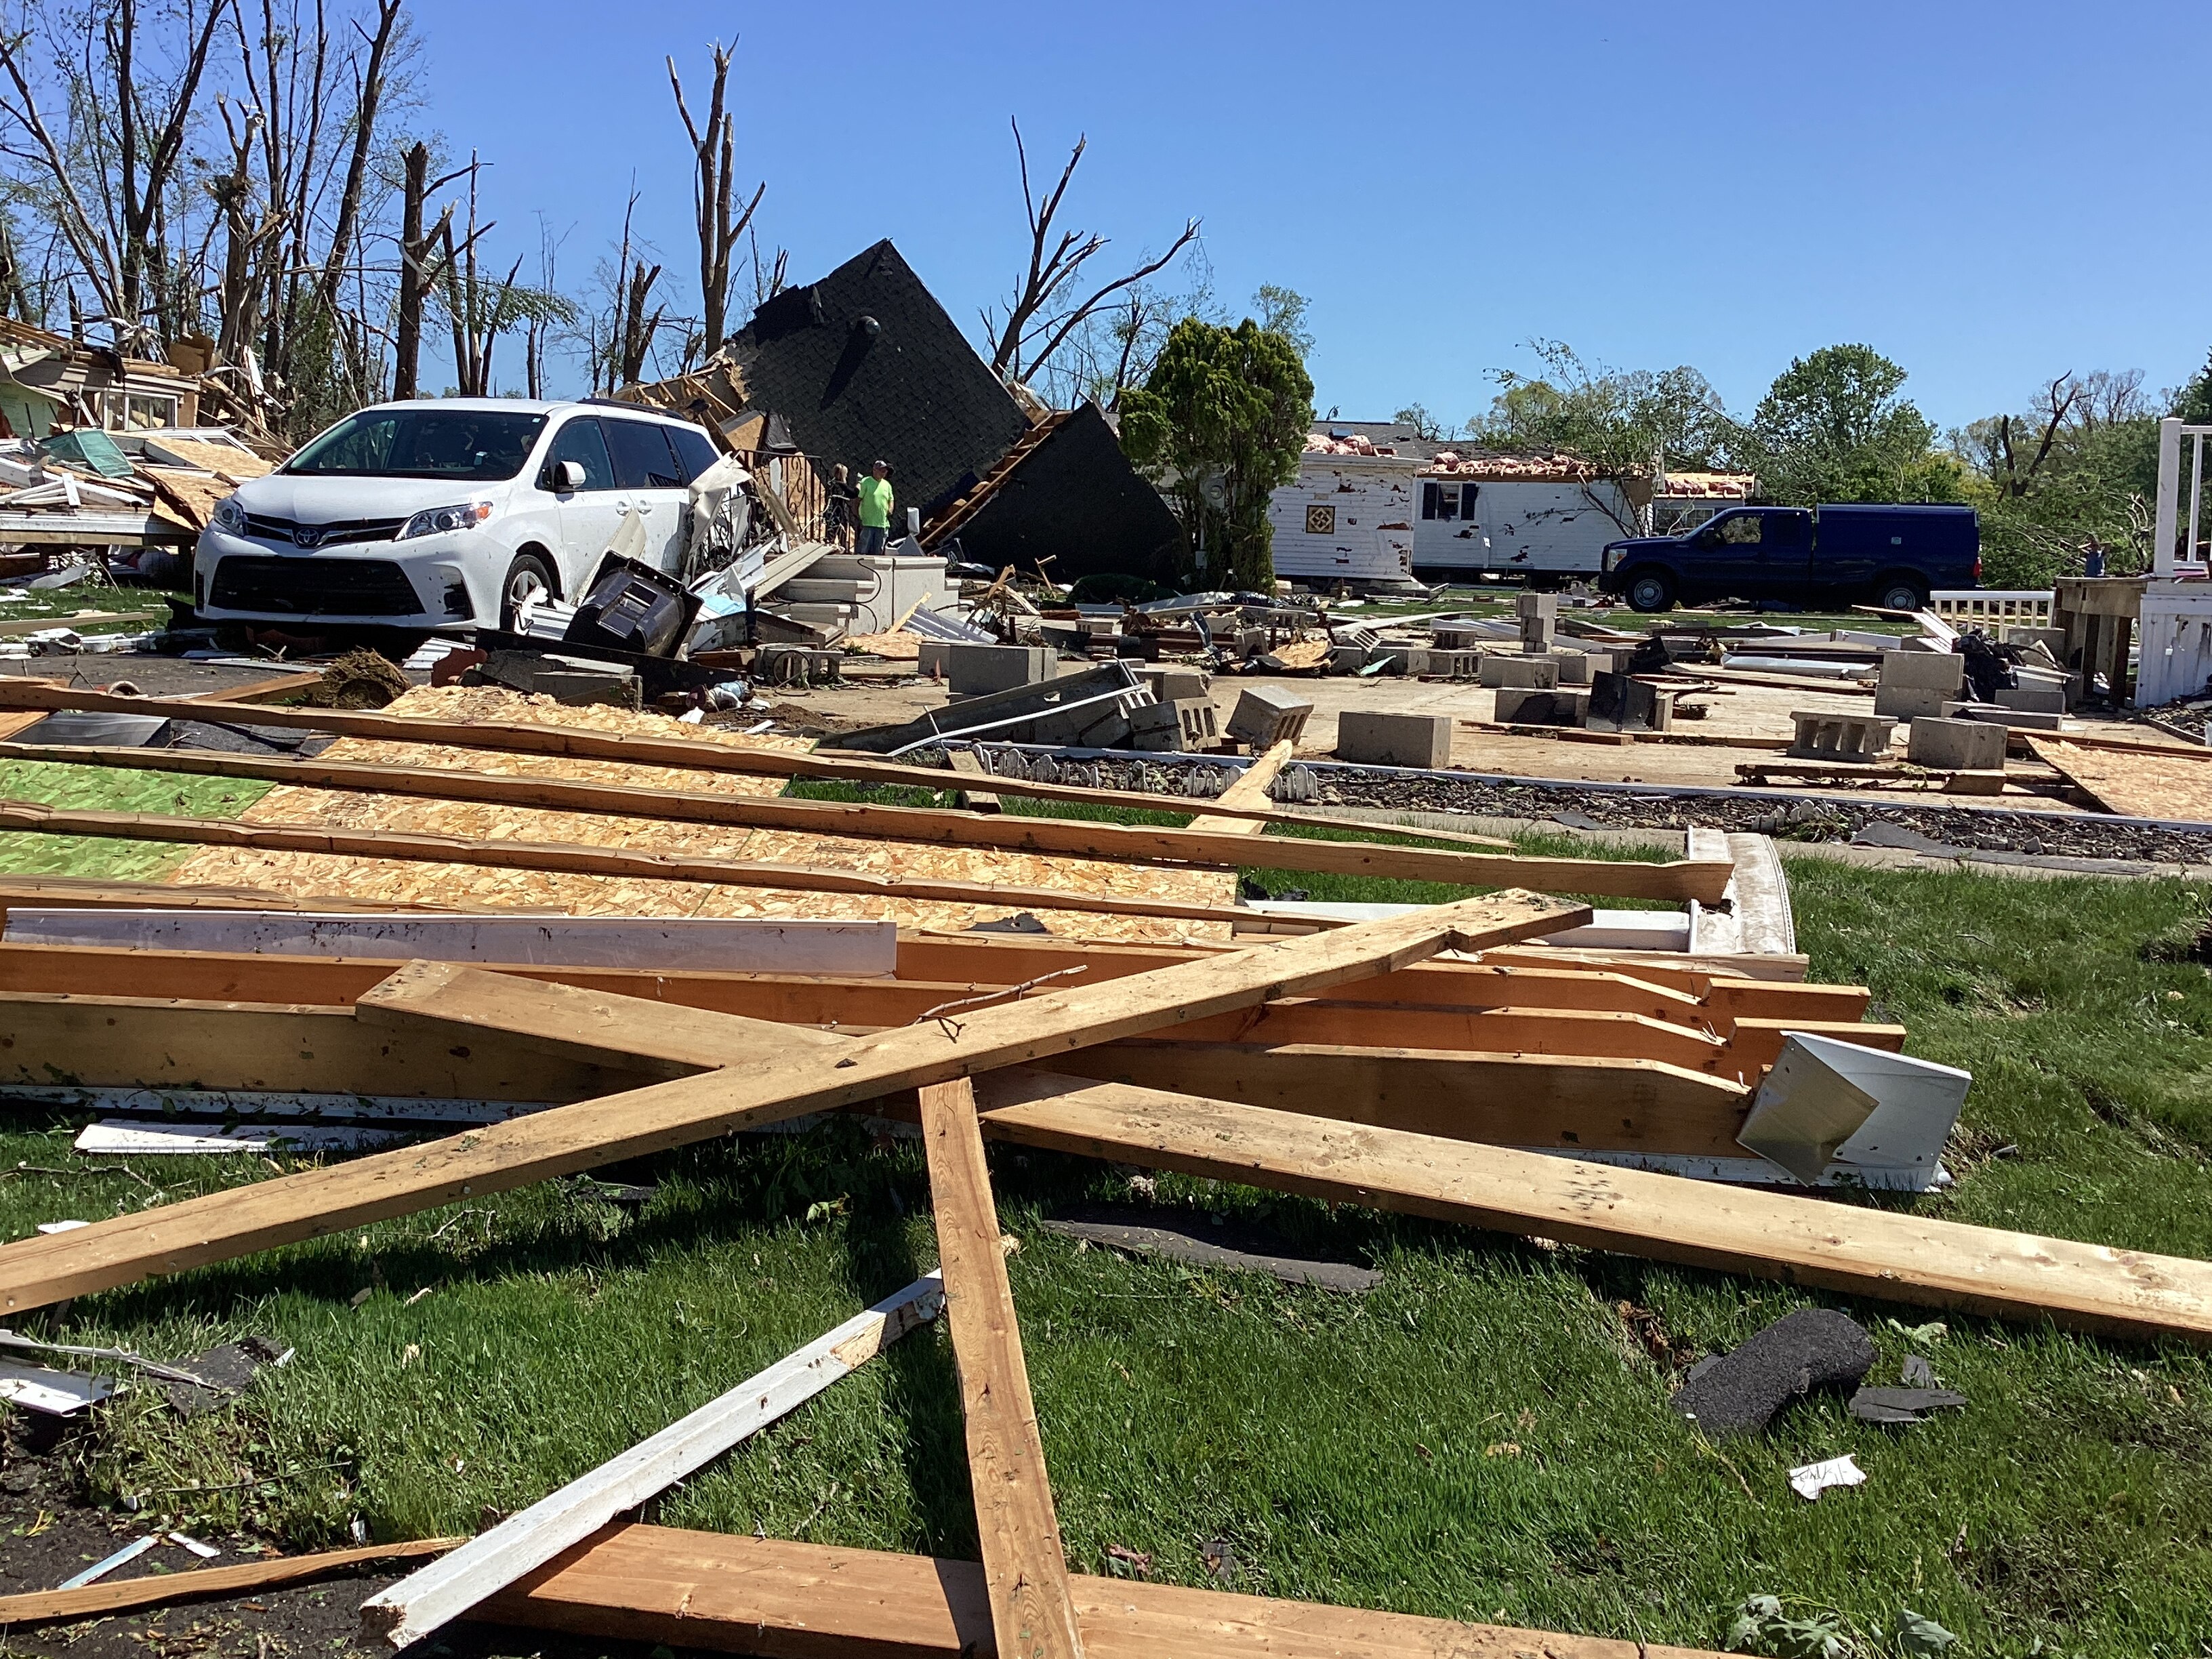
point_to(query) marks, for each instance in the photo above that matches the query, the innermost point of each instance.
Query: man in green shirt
(876, 503)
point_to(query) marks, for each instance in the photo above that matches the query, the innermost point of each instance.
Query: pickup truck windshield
(468, 444)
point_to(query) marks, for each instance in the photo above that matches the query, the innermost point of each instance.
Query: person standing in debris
(876, 503)
(2093, 557)
(838, 514)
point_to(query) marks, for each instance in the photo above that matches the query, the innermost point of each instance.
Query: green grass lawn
(1486, 1436)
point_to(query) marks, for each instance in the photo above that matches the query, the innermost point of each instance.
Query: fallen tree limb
(1204, 844)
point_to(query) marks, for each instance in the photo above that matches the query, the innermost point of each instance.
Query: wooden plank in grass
(763, 1596)
(433, 1596)
(1891, 1255)
(1202, 845)
(219, 1227)
(1887, 1255)
(1024, 1567)
(170, 1589)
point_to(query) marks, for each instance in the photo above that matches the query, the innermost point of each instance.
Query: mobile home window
(1439, 500)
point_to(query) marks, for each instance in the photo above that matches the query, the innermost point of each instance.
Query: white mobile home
(1348, 518)
(1547, 518)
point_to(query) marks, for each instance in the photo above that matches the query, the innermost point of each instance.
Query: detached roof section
(1067, 492)
(1383, 439)
(864, 365)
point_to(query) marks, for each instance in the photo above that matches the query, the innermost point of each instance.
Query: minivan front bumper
(426, 581)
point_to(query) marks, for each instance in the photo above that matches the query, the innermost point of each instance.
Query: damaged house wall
(47, 380)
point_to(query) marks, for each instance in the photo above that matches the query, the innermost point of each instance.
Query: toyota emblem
(306, 536)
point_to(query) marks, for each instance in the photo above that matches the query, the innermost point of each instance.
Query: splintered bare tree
(1055, 299)
(714, 189)
(105, 178)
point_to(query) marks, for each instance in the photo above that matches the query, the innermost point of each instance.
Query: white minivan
(445, 512)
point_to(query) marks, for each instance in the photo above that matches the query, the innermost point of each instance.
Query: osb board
(464, 886)
(2145, 786)
(236, 465)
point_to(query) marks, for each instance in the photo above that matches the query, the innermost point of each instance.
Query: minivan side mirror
(565, 477)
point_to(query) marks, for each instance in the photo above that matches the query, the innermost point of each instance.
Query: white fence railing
(2014, 607)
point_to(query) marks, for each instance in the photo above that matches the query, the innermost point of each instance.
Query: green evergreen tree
(1219, 425)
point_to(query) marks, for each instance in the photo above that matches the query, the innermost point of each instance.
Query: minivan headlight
(229, 515)
(436, 521)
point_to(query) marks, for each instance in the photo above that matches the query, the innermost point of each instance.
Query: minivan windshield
(477, 445)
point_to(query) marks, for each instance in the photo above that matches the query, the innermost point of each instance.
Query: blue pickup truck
(1887, 556)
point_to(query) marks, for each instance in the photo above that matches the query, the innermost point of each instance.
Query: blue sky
(1989, 195)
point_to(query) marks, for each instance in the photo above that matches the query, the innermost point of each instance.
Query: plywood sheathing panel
(2145, 785)
(464, 886)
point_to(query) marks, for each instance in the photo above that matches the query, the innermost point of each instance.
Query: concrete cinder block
(1266, 716)
(973, 670)
(1574, 668)
(1155, 726)
(1630, 705)
(1177, 684)
(1534, 706)
(1455, 664)
(932, 660)
(1347, 658)
(1826, 736)
(1374, 739)
(1905, 703)
(1531, 605)
(1532, 673)
(2034, 698)
(1924, 672)
(1956, 746)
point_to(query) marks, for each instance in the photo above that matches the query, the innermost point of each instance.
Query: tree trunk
(414, 249)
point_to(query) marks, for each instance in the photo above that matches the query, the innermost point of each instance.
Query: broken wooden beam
(1024, 1566)
(1203, 844)
(432, 1597)
(567, 1139)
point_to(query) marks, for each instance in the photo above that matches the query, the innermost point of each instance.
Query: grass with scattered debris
(106, 789)
(1485, 1437)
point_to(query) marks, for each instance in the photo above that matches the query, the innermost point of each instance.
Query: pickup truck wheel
(1899, 594)
(527, 578)
(1650, 592)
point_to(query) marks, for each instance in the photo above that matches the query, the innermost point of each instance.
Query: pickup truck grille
(289, 532)
(313, 587)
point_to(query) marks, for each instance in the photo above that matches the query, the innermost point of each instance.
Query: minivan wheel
(527, 578)
(1650, 592)
(1901, 596)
